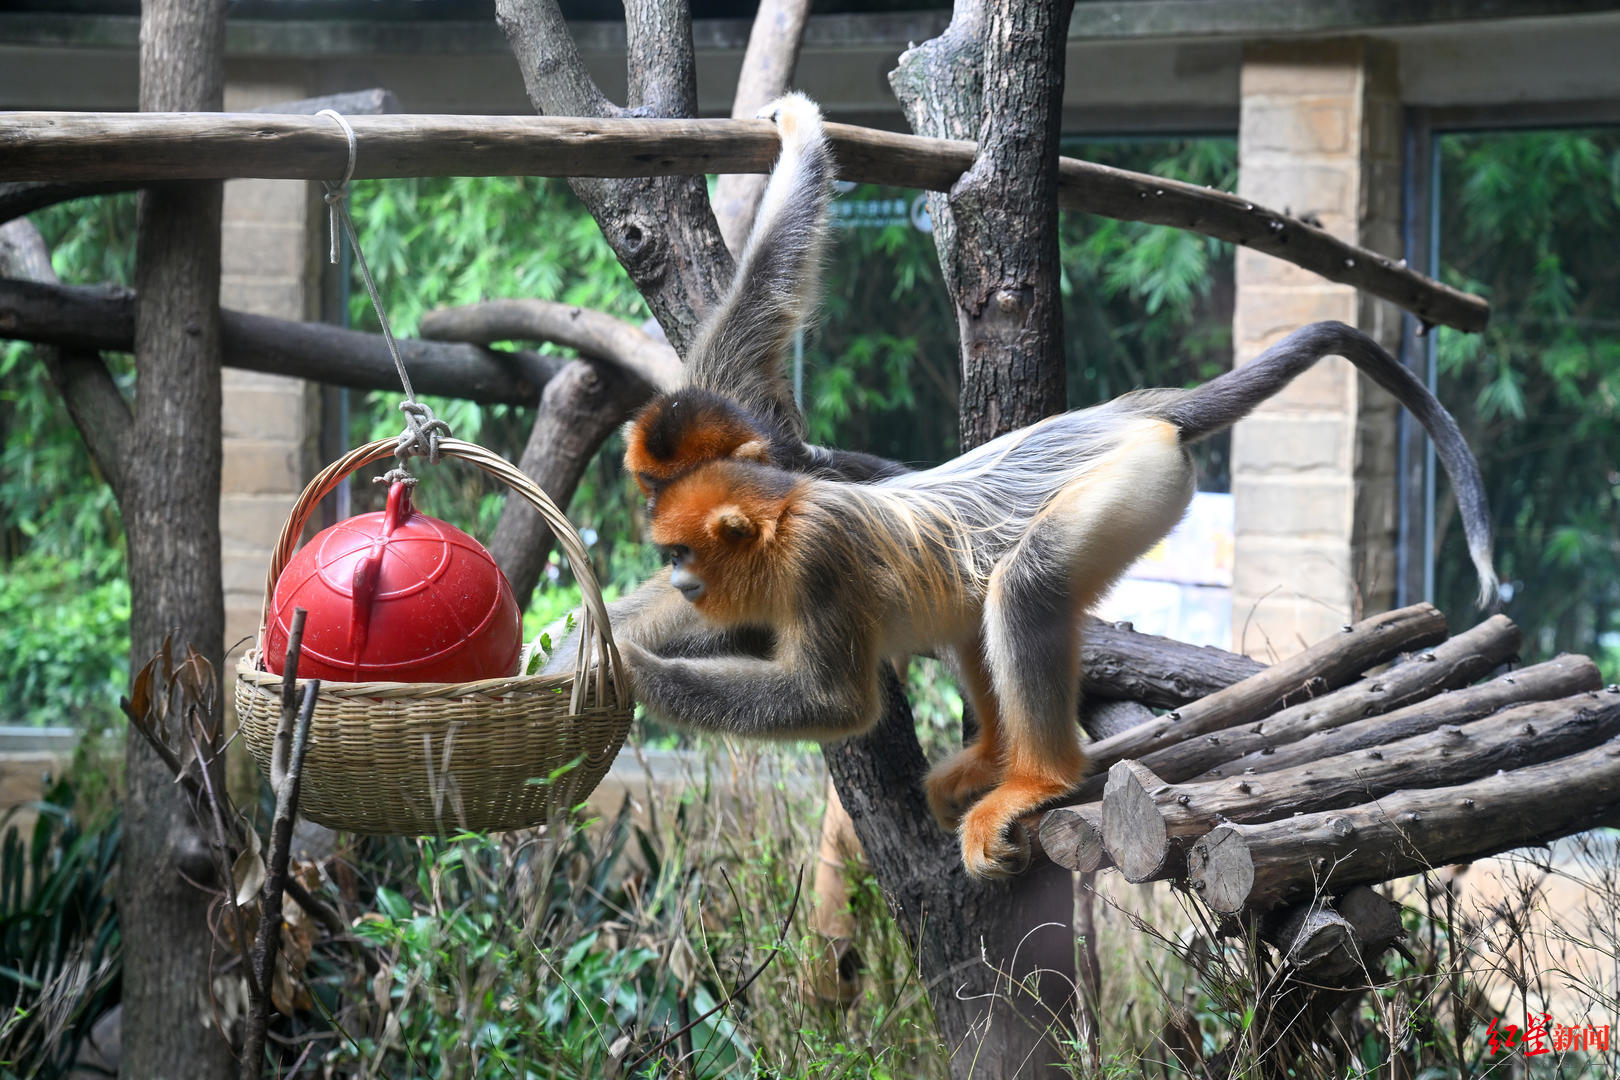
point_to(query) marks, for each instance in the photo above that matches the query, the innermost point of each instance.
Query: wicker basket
(414, 758)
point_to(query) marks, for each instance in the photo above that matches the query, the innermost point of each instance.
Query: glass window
(1531, 221)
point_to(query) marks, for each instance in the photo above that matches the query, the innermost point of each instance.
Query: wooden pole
(1322, 667)
(1148, 825)
(1261, 866)
(191, 146)
(1454, 663)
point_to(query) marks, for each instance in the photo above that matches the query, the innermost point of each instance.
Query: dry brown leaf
(248, 871)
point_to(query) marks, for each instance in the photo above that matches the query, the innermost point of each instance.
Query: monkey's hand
(957, 781)
(749, 696)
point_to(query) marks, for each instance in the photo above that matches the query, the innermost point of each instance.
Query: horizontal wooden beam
(153, 147)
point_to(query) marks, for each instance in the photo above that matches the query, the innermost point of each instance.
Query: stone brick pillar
(271, 266)
(1313, 470)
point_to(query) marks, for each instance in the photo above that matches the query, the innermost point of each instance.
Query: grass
(579, 948)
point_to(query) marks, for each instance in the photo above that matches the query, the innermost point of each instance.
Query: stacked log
(1368, 757)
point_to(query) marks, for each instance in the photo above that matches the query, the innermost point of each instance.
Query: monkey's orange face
(680, 431)
(722, 526)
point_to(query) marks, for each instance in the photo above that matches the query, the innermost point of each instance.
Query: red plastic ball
(396, 596)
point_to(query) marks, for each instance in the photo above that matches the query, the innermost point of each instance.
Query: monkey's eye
(677, 554)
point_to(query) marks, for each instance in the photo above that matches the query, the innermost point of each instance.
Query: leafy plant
(60, 963)
(64, 606)
(64, 646)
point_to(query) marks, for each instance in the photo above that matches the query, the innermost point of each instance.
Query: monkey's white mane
(992, 493)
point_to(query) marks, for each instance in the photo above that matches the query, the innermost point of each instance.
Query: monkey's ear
(731, 523)
(754, 450)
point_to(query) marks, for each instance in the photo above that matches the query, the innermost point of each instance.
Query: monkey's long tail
(1226, 399)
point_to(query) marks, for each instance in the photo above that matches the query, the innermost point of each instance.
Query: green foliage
(479, 988)
(448, 242)
(64, 606)
(1530, 221)
(544, 954)
(60, 961)
(65, 632)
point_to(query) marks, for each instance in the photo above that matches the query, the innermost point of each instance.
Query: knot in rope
(422, 432)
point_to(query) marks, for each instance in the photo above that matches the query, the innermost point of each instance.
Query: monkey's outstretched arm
(742, 349)
(655, 617)
(739, 695)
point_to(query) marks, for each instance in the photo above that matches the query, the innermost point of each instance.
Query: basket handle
(595, 632)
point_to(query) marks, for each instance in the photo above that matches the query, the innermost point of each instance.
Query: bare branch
(767, 72)
(579, 410)
(102, 317)
(590, 333)
(98, 410)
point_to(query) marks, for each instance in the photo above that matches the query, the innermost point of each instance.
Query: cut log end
(1072, 837)
(1132, 827)
(1221, 870)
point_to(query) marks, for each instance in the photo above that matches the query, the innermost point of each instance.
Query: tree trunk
(997, 72)
(171, 518)
(1008, 304)
(988, 1008)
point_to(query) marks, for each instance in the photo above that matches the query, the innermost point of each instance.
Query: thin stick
(287, 771)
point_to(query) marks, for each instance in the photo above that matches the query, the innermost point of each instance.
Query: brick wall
(270, 266)
(1313, 470)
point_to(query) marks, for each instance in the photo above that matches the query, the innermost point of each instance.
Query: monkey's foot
(994, 844)
(957, 781)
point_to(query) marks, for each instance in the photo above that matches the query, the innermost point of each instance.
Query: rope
(422, 429)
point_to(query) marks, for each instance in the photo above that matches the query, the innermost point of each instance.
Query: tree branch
(660, 226)
(578, 411)
(589, 333)
(602, 143)
(662, 67)
(767, 72)
(93, 400)
(103, 318)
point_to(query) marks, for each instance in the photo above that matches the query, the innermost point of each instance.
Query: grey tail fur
(1226, 399)
(743, 347)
